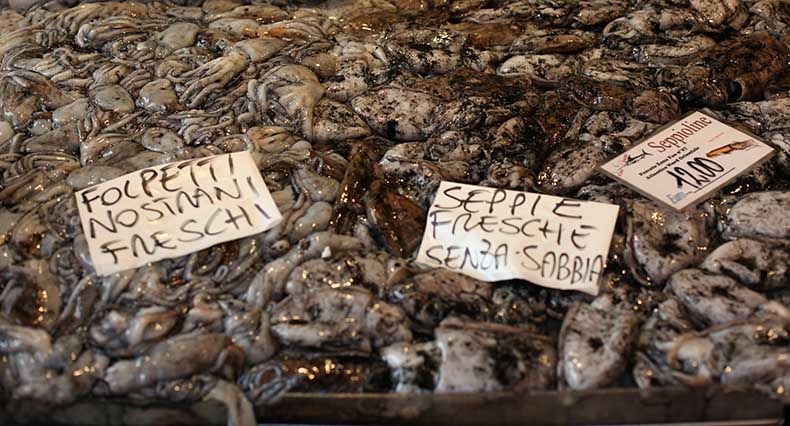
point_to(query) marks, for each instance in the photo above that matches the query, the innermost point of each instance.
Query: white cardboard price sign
(174, 209)
(496, 234)
(686, 161)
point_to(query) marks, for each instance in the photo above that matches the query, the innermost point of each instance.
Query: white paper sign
(174, 209)
(495, 234)
(683, 163)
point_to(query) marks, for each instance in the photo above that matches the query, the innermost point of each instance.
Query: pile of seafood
(355, 111)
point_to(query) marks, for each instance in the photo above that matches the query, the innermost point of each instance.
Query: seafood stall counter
(338, 121)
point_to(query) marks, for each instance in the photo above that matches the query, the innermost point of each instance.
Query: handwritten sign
(174, 209)
(686, 161)
(495, 234)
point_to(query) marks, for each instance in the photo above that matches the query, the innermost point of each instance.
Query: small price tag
(685, 162)
(496, 234)
(174, 209)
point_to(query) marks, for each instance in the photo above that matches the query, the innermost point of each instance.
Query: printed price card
(686, 161)
(174, 209)
(495, 234)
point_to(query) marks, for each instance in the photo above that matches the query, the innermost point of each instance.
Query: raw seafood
(354, 113)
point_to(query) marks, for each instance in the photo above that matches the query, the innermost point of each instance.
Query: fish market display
(354, 112)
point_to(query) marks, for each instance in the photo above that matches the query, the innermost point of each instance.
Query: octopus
(354, 113)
